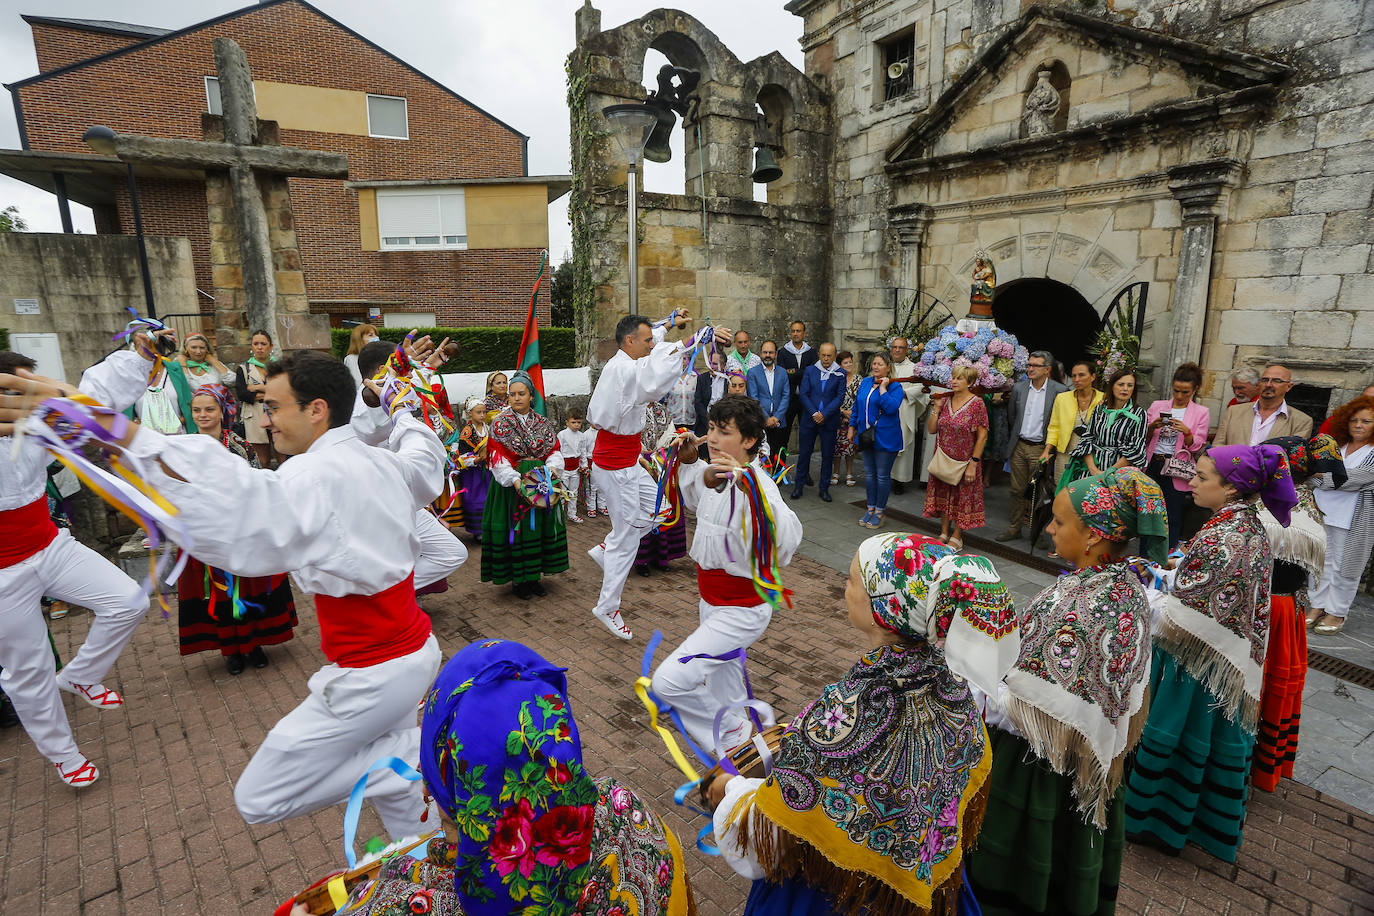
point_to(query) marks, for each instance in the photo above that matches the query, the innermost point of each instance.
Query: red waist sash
(720, 589)
(614, 452)
(25, 531)
(571, 464)
(359, 631)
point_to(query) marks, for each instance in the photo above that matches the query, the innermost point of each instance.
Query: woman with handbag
(1069, 418)
(959, 423)
(875, 428)
(1178, 433)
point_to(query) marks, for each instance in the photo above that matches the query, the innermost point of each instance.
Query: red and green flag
(528, 360)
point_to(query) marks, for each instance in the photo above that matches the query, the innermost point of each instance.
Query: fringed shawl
(879, 788)
(524, 436)
(1078, 691)
(1303, 542)
(1216, 616)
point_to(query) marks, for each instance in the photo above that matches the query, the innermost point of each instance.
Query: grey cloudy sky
(506, 56)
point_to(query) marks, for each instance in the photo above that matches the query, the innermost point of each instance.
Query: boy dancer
(733, 615)
(571, 444)
(642, 371)
(350, 544)
(37, 559)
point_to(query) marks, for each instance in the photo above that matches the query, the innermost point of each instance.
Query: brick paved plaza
(159, 832)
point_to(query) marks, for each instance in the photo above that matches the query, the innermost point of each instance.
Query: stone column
(912, 224)
(1198, 187)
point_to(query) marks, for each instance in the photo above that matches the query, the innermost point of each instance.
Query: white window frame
(404, 102)
(410, 243)
(208, 106)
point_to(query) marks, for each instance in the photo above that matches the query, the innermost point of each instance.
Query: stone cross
(245, 158)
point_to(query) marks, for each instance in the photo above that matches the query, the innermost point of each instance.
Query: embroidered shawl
(530, 436)
(1216, 616)
(406, 885)
(878, 788)
(1078, 691)
(502, 758)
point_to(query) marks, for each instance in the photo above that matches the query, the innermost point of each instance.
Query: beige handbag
(946, 468)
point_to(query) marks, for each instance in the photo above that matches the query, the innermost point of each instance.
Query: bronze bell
(765, 166)
(656, 149)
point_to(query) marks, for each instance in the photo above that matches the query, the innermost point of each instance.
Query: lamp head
(100, 139)
(632, 124)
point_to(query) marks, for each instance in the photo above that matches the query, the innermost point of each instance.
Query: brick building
(438, 222)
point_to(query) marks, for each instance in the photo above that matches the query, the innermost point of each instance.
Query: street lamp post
(632, 124)
(102, 140)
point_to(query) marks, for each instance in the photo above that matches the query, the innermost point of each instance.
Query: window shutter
(407, 214)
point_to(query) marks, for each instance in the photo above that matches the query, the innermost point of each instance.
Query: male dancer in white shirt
(642, 371)
(349, 542)
(733, 615)
(38, 559)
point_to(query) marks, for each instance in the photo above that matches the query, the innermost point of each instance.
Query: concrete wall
(83, 284)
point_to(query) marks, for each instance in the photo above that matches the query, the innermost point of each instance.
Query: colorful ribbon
(760, 534)
(777, 468)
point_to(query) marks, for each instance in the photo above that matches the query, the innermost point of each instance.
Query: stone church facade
(1213, 159)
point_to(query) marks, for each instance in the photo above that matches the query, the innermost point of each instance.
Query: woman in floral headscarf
(524, 535)
(1188, 784)
(236, 615)
(1299, 551)
(1067, 716)
(878, 789)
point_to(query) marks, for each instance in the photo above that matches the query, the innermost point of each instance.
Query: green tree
(11, 221)
(561, 296)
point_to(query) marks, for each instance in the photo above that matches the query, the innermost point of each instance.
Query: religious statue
(984, 281)
(1042, 104)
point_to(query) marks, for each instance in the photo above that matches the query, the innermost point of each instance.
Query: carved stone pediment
(1112, 83)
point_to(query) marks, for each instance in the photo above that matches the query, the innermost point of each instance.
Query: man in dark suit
(795, 357)
(821, 392)
(710, 388)
(767, 384)
(1032, 400)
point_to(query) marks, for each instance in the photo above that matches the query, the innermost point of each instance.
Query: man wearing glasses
(1267, 417)
(1032, 400)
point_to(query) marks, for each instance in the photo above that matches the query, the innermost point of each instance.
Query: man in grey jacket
(1032, 399)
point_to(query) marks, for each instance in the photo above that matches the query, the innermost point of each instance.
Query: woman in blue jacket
(876, 406)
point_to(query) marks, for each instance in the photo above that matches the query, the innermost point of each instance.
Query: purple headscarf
(1261, 469)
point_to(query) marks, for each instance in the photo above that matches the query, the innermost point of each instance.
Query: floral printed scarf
(524, 436)
(1216, 616)
(1121, 504)
(879, 787)
(1077, 692)
(501, 756)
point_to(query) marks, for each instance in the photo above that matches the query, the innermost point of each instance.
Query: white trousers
(353, 717)
(440, 551)
(630, 494)
(69, 571)
(1335, 593)
(700, 688)
(572, 480)
(596, 500)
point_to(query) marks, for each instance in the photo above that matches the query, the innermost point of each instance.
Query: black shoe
(898, 487)
(537, 589)
(8, 717)
(236, 663)
(643, 571)
(258, 658)
(825, 496)
(796, 492)
(522, 591)
(662, 567)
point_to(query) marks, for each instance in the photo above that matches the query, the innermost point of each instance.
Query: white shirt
(340, 517)
(1338, 506)
(768, 372)
(1259, 429)
(743, 363)
(682, 400)
(1033, 420)
(573, 443)
(722, 520)
(117, 382)
(626, 385)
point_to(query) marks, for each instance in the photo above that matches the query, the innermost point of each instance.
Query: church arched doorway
(1045, 314)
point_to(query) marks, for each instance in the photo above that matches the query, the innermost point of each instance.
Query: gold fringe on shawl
(1214, 671)
(782, 854)
(1068, 752)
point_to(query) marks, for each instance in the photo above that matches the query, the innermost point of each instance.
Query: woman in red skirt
(1299, 551)
(236, 615)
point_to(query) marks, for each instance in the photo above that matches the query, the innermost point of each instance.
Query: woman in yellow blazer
(1069, 417)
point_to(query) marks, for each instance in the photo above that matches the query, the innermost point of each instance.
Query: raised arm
(118, 380)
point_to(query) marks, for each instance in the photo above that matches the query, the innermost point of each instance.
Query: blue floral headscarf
(501, 756)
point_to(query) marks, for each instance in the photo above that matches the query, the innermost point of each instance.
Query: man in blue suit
(767, 384)
(822, 391)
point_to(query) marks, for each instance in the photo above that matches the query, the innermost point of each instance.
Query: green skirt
(1189, 780)
(1036, 853)
(538, 546)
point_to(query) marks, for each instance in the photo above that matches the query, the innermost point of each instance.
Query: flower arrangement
(1116, 346)
(996, 355)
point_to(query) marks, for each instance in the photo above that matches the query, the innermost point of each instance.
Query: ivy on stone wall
(587, 228)
(4, 339)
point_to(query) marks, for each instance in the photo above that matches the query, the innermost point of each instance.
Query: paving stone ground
(159, 832)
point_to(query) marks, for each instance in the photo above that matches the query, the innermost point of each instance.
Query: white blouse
(723, 518)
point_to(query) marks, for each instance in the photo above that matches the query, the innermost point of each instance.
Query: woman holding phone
(1177, 428)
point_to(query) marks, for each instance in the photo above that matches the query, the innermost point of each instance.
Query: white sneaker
(598, 554)
(615, 623)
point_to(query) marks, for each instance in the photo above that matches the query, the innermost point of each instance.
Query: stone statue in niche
(1042, 104)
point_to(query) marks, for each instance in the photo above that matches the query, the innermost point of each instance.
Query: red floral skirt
(1285, 671)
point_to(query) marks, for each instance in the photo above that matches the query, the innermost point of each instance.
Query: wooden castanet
(746, 758)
